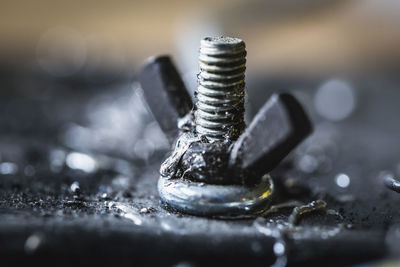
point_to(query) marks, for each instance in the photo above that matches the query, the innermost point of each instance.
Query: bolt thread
(220, 91)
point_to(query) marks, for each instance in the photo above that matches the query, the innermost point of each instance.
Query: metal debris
(391, 183)
(298, 212)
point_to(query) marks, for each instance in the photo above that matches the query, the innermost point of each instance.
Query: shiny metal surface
(213, 200)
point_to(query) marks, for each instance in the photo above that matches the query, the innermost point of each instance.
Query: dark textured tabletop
(79, 165)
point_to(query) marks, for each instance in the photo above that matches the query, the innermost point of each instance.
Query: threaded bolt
(220, 91)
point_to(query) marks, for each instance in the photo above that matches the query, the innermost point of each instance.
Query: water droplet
(279, 248)
(32, 243)
(335, 100)
(80, 161)
(75, 187)
(8, 168)
(342, 180)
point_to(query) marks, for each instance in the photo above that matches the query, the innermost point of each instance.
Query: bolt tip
(222, 41)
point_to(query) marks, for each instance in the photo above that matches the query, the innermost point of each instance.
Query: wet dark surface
(79, 165)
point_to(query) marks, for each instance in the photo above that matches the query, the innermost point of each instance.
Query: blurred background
(76, 134)
(65, 38)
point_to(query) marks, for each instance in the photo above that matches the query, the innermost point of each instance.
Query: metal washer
(214, 200)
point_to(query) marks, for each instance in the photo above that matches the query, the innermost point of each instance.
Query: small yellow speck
(266, 194)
